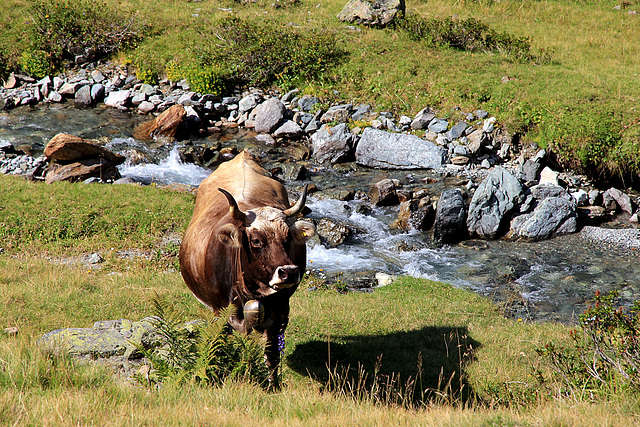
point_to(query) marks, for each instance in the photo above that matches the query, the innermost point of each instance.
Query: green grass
(355, 358)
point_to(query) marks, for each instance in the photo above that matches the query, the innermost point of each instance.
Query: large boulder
(269, 115)
(554, 216)
(374, 13)
(450, 223)
(65, 148)
(381, 149)
(492, 203)
(170, 124)
(332, 144)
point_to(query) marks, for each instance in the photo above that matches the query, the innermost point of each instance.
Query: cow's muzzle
(285, 276)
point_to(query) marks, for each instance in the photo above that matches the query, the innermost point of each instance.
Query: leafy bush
(467, 35)
(36, 63)
(68, 28)
(206, 352)
(260, 54)
(210, 79)
(604, 354)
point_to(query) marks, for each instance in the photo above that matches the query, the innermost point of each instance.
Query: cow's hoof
(253, 314)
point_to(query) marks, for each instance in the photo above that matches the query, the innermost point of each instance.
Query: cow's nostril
(288, 273)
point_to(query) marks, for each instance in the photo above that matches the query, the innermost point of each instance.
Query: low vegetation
(415, 352)
(560, 74)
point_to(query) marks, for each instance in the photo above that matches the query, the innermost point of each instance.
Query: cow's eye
(256, 243)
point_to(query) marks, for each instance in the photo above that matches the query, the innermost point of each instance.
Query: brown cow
(244, 247)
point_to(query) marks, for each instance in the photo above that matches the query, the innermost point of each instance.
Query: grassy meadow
(562, 73)
(413, 353)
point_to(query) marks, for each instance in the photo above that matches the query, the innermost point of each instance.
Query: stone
(332, 233)
(475, 140)
(289, 96)
(544, 191)
(106, 339)
(363, 112)
(381, 149)
(11, 82)
(336, 115)
(83, 96)
(118, 99)
(580, 197)
(171, 124)
(289, 129)
(69, 89)
(548, 176)
(269, 115)
(65, 148)
(307, 102)
(623, 200)
(82, 170)
(383, 193)
(378, 13)
(249, 102)
(553, 217)
(457, 130)
(489, 124)
(332, 144)
(450, 222)
(97, 92)
(492, 203)
(146, 107)
(422, 119)
(438, 125)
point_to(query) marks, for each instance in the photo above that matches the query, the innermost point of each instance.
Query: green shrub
(605, 353)
(210, 79)
(66, 28)
(260, 54)
(206, 352)
(466, 34)
(36, 63)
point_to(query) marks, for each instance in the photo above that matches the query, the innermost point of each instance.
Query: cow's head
(270, 243)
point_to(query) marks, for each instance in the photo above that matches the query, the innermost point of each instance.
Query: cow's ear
(303, 230)
(229, 234)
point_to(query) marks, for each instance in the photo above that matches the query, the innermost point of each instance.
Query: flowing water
(550, 280)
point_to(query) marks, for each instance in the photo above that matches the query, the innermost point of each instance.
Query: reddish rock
(81, 170)
(64, 148)
(168, 124)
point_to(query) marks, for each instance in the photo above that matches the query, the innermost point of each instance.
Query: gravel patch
(625, 238)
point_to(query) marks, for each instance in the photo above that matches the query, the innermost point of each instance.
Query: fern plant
(206, 351)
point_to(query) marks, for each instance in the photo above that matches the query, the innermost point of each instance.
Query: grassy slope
(582, 103)
(398, 322)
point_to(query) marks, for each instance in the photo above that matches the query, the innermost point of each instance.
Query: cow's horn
(299, 206)
(235, 211)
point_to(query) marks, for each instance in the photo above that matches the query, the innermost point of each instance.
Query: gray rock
(422, 119)
(382, 149)
(69, 89)
(54, 97)
(118, 98)
(531, 170)
(269, 115)
(495, 198)
(146, 107)
(289, 96)
(97, 92)
(332, 144)
(249, 102)
(363, 112)
(307, 102)
(438, 125)
(332, 233)
(553, 217)
(481, 114)
(374, 13)
(105, 339)
(337, 115)
(623, 201)
(544, 191)
(383, 193)
(289, 129)
(475, 141)
(450, 222)
(457, 130)
(83, 95)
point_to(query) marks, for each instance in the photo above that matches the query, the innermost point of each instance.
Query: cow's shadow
(414, 367)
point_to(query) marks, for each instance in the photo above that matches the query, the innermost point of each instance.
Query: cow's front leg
(273, 350)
